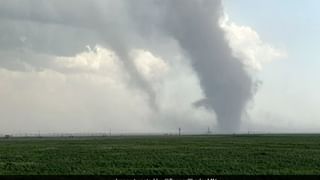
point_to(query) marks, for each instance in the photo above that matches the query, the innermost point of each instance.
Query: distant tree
(7, 136)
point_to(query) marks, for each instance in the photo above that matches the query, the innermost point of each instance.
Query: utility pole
(209, 132)
(179, 131)
(110, 132)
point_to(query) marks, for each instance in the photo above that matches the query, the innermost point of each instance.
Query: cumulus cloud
(89, 92)
(150, 66)
(93, 65)
(247, 45)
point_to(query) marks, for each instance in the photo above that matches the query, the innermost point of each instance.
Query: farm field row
(162, 155)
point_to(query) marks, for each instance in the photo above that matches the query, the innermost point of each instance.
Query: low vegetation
(162, 155)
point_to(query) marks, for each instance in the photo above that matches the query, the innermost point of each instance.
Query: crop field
(162, 155)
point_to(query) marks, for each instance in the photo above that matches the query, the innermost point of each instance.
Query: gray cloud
(64, 28)
(223, 78)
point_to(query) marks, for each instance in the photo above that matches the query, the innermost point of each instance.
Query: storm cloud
(35, 32)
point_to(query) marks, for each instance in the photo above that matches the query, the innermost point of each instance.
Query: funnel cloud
(49, 29)
(226, 84)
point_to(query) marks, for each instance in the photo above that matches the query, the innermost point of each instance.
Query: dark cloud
(64, 28)
(225, 82)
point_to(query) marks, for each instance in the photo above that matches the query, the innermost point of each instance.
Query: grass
(162, 155)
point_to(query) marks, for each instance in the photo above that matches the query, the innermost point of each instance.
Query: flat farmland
(162, 155)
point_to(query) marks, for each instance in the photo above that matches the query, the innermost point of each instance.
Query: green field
(162, 155)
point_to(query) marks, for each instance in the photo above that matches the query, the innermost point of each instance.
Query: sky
(156, 66)
(289, 93)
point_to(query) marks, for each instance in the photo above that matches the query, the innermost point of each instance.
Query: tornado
(123, 25)
(223, 78)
